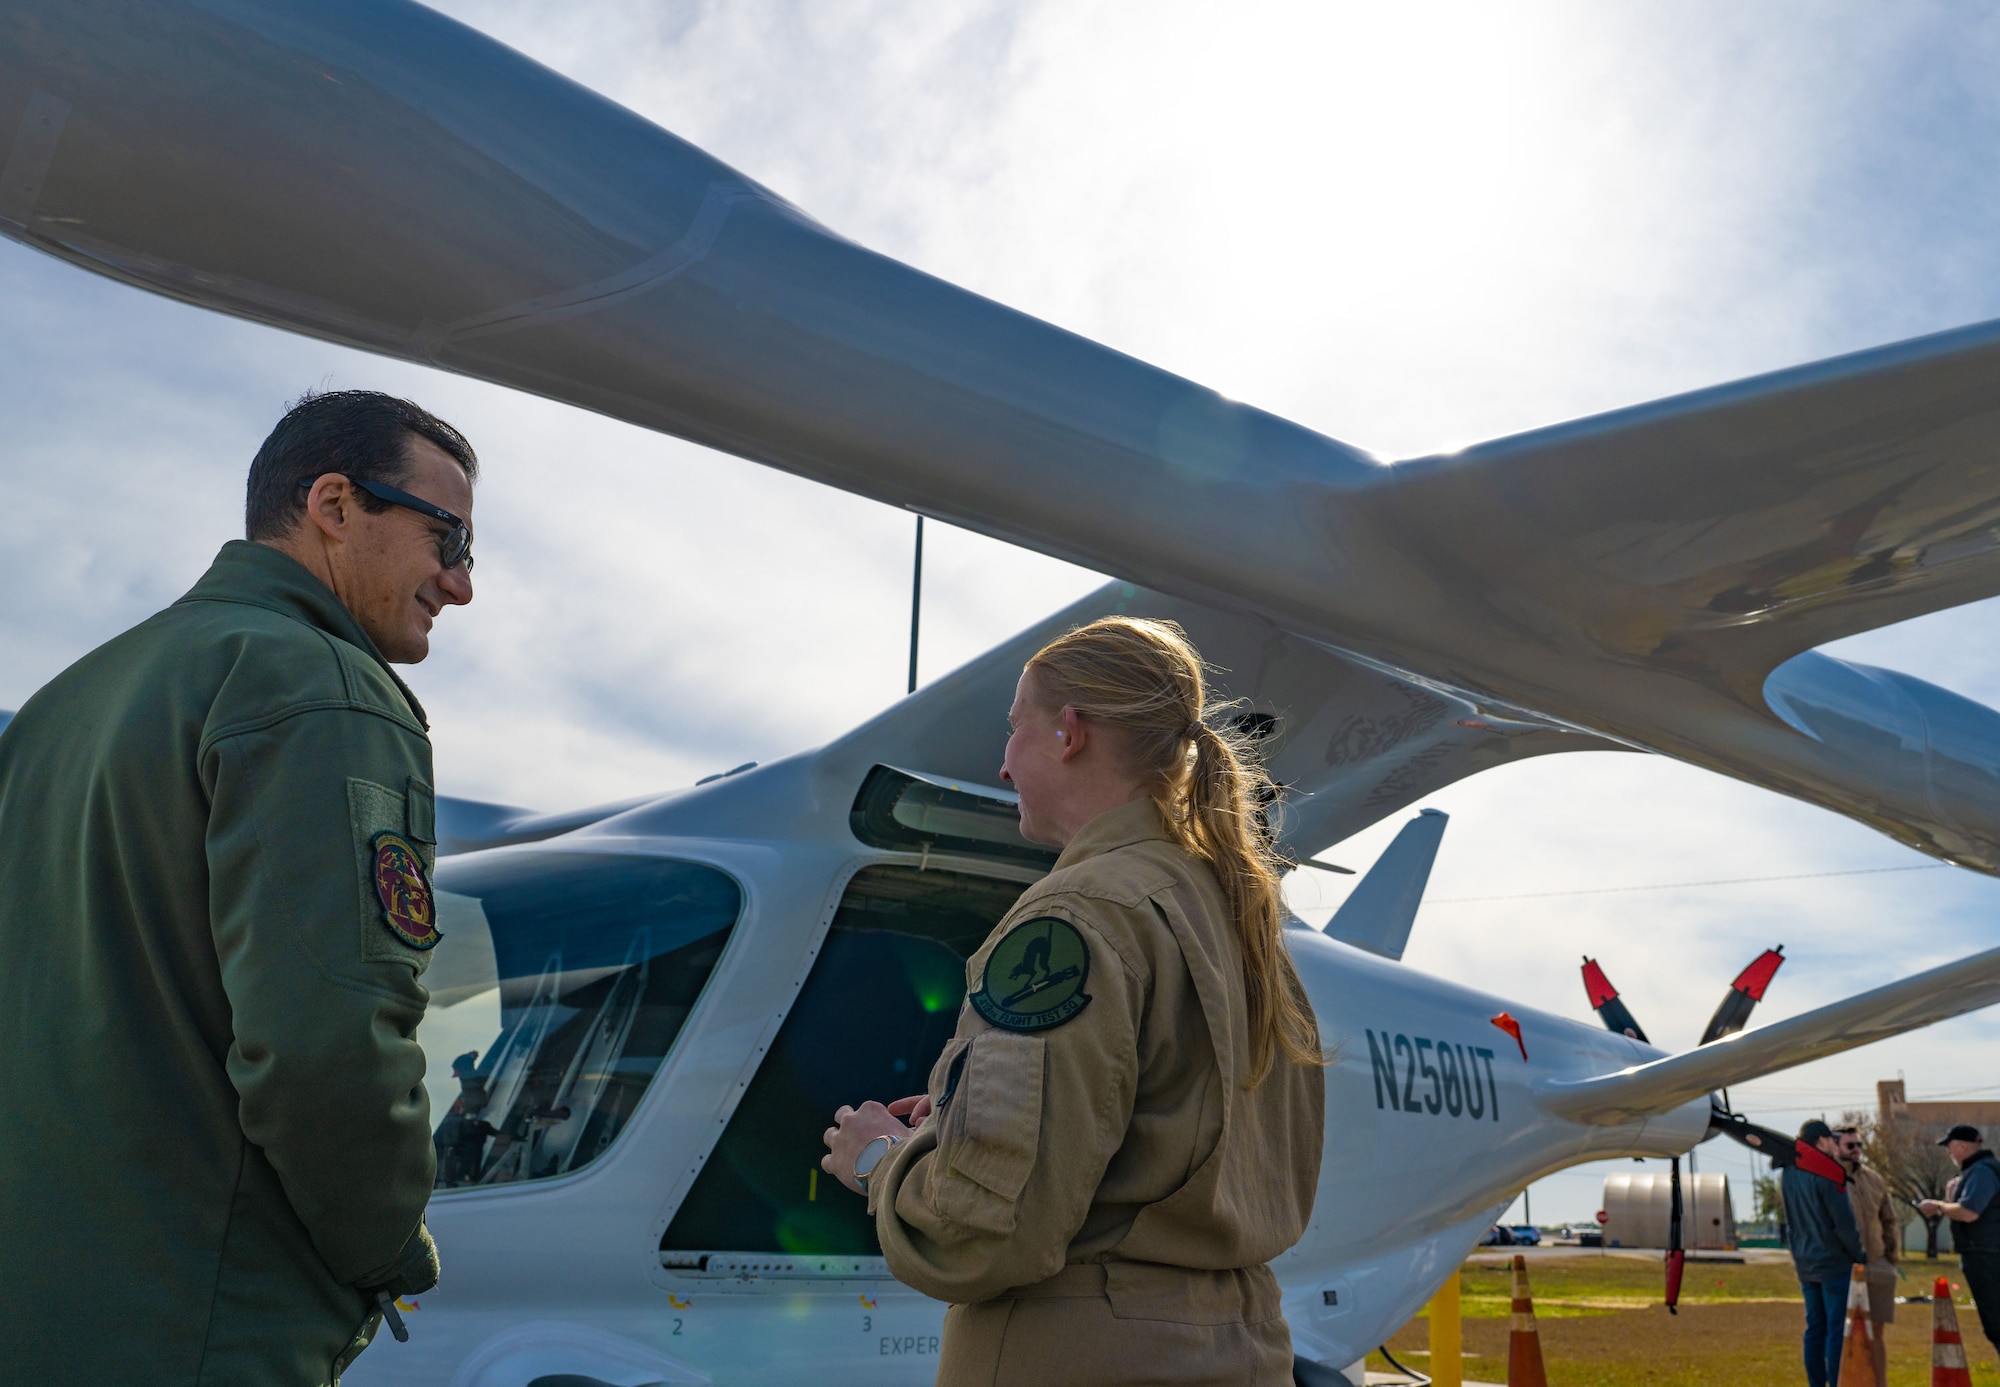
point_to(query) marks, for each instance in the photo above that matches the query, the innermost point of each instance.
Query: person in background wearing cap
(1826, 1243)
(1975, 1226)
(1881, 1233)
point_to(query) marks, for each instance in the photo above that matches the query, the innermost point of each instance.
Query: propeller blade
(1676, 1253)
(1604, 1001)
(1743, 995)
(1782, 1149)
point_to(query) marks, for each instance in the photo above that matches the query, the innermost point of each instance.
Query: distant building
(1896, 1107)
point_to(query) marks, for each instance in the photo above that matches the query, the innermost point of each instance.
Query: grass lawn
(1602, 1324)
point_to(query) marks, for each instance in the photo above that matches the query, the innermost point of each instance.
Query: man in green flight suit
(216, 833)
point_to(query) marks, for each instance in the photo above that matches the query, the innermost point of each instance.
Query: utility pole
(916, 603)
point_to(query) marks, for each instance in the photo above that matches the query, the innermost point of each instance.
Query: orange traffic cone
(1948, 1367)
(1524, 1342)
(1857, 1354)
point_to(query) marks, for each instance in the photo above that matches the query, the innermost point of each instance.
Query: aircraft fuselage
(694, 1240)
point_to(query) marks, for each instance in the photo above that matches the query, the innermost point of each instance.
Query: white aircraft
(642, 1014)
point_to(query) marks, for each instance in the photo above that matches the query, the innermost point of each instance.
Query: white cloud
(1410, 226)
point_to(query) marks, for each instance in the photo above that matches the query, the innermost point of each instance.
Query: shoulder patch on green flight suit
(1034, 976)
(393, 862)
(405, 892)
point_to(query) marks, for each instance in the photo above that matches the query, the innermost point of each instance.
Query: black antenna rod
(916, 602)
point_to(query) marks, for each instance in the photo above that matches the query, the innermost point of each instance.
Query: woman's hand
(854, 1128)
(912, 1110)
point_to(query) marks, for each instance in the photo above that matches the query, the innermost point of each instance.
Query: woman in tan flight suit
(1126, 1128)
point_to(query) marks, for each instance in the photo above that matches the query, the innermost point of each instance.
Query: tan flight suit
(1098, 1200)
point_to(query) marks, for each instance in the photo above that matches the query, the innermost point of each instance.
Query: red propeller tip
(1752, 981)
(1597, 985)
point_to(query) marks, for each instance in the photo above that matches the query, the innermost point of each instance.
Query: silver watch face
(871, 1156)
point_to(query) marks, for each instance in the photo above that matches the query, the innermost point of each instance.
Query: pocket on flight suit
(992, 1130)
(395, 838)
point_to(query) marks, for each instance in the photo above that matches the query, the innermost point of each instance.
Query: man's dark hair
(361, 434)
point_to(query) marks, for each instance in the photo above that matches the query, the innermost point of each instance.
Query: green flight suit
(213, 1127)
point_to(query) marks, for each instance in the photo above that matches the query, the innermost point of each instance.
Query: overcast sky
(1410, 226)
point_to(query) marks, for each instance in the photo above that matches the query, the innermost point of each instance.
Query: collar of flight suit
(256, 575)
(1137, 822)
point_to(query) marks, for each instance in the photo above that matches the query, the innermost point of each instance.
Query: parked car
(1583, 1234)
(1526, 1235)
(1499, 1235)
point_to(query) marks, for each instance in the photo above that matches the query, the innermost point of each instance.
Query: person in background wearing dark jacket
(1826, 1244)
(1975, 1222)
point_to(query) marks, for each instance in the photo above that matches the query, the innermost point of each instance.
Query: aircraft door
(881, 1001)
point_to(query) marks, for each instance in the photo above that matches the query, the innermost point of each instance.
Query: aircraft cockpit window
(881, 1001)
(557, 991)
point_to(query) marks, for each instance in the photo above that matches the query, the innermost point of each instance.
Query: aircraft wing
(379, 175)
(468, 825)
(1661, 1086)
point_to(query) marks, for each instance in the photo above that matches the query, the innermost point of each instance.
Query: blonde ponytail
(1144, 678)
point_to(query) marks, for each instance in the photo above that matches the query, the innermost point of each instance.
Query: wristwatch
(871, 1156)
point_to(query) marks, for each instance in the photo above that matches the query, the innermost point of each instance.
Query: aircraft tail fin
(1378, 913)
(1658, 1087)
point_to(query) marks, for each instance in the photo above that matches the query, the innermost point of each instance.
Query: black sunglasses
(454, 545)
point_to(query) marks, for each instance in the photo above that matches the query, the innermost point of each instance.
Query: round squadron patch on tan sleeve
(407, 906)
(1034, 976)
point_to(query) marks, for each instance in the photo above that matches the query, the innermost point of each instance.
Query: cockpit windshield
(560, 985)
